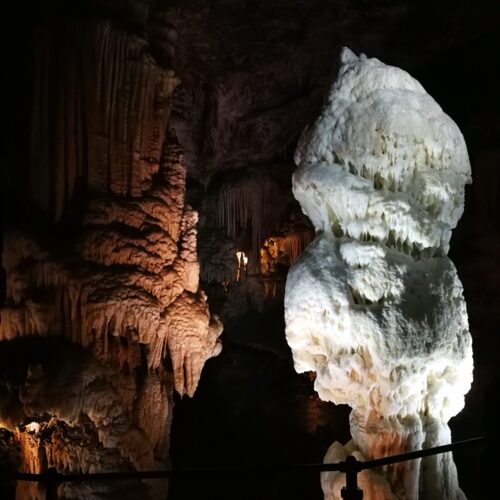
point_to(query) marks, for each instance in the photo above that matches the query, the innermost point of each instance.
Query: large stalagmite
(374, 306)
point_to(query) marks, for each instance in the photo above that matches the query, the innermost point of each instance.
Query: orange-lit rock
(113, 267)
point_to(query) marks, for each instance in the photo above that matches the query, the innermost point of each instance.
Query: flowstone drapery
(102, 309)
(374, 306)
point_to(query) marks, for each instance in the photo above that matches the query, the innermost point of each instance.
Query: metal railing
(351, 467)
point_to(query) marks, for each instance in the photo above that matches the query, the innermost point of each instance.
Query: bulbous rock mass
(374, 306)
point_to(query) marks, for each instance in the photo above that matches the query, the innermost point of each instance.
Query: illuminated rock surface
(373, 305)
(113, 268)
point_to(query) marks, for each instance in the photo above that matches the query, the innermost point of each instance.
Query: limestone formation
(112, 268)
(374, 306)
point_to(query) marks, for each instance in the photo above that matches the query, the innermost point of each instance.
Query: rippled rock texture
(373, 306)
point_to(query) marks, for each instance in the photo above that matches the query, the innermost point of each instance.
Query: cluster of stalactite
(283, 250)
(250, 237)
(131, 275)
(123, 284)
(99, 113)
(251, 201)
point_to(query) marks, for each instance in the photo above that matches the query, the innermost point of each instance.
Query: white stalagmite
(373, 305)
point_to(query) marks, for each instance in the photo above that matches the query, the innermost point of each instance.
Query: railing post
(51, 484)
(351, 491)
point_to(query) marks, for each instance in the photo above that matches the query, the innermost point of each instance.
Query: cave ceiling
(253, 73)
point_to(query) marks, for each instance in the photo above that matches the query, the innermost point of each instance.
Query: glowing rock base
(374, 306)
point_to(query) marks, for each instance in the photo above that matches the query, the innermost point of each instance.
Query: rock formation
(112, 267)
(373, 305)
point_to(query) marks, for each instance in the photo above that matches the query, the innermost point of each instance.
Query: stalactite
(130, 275)
(295, 243)
(283, 250)
(107, 119)
(249, 201)
(132, 90)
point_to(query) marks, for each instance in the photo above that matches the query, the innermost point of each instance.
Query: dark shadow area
(252, 409)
